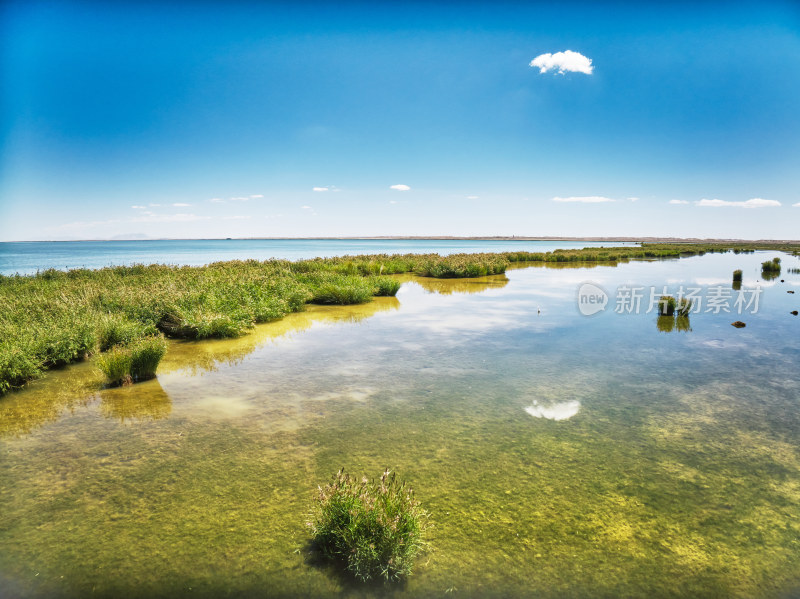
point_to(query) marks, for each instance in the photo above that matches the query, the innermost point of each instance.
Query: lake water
(559, 455)
(28, 257)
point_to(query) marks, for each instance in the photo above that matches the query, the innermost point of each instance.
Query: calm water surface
(29, 257)
(559, 455)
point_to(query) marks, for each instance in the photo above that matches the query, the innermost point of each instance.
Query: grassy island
(56, 317)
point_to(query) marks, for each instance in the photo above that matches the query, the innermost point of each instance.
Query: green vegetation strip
(57, 317)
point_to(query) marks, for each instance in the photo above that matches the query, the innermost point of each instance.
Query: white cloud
(181, 205)
(584, 199)
(216, 200)
(400, 187)
(256, 196)
(797, 205)
(568, 60)
(752, 203)
(392, 201)
(240, 199)
(761, 203)
(154, 204)
(678, 202)
(138, 207)
(235, 217)
(633, 199)
(472, 197)
(310, 210)
(319, 189)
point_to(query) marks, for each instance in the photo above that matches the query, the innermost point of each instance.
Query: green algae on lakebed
(675, 473)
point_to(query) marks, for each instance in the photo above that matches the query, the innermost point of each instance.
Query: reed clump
(771, 269)
(683, 307)
(374, 529)
(666, 305)
(137, 361)
(737, 276)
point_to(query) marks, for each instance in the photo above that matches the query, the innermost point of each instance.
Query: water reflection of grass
(196, 356)
(450, 286)
(148, 401)
(78, 385)
(45, 400)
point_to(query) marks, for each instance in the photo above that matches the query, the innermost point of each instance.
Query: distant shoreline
(439, 238)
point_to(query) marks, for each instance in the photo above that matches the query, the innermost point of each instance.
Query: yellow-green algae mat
(558, 455)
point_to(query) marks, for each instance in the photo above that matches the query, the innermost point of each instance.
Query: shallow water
(559, 454)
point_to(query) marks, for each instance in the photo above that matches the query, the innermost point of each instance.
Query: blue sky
(212, 119)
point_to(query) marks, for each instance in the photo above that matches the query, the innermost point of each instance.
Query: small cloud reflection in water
(557, 411)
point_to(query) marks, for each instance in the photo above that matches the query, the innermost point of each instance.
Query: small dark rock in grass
(739, 324)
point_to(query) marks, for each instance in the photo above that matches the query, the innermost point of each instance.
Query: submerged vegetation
(56, 317)
(373, 528)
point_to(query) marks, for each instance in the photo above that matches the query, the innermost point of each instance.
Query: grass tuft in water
(666, 305)
(374, 528)
(737, 276)
(146, 353)
(116, 366)
(771, 269)
(138, 361)
(684, 307)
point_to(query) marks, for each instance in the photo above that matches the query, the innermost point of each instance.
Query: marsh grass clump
(146, 353)
(385, 286)
(332, 288)
(374, 529)
(120, 331)
(684, 307)
(138, 361)
(771, 269)
(737, 276)
(666, 305)
(116, 366)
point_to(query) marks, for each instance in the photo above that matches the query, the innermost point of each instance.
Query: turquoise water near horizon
(28, 257)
